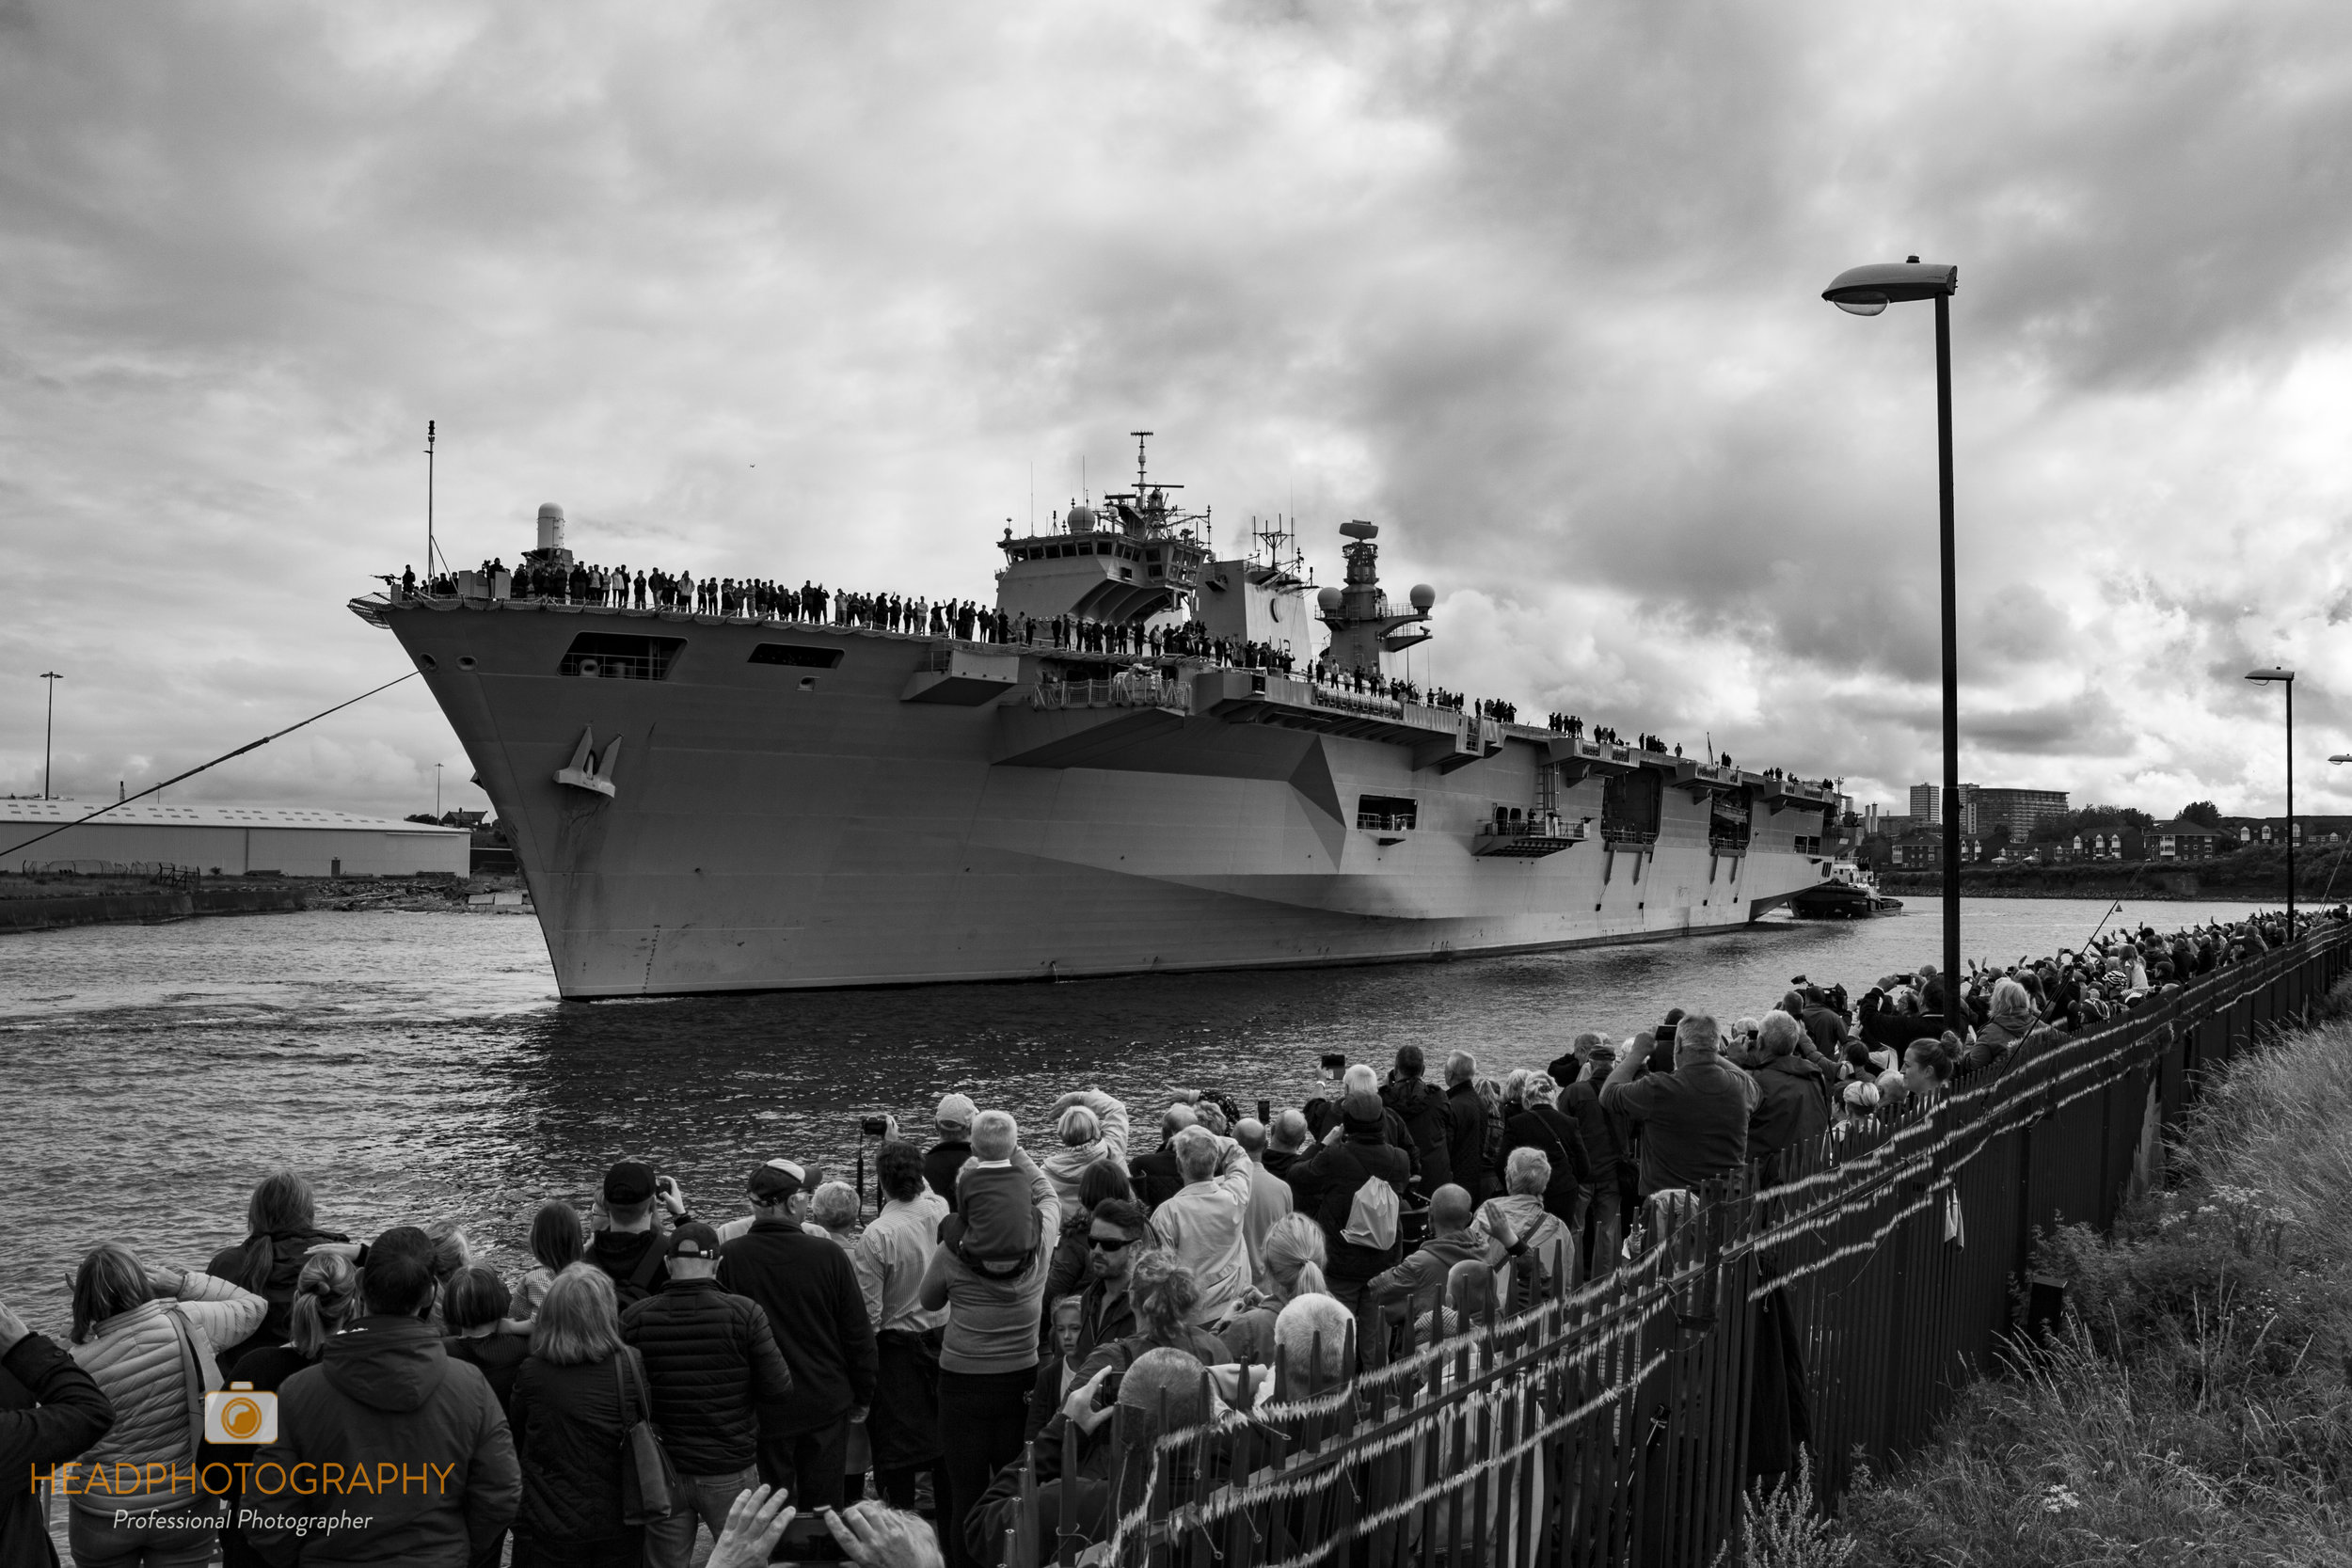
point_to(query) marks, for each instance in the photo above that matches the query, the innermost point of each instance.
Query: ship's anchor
(588, 770)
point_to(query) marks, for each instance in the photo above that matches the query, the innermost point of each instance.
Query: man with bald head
(1419, 1283)
(1286, 1141)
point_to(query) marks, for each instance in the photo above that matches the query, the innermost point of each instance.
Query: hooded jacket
(50, 1411)
(1067, 1164)
(285, 1250)
(386, 1394)
(1792, 1105)
(623, 1256)
(2003, 1031)
(1422, 1110)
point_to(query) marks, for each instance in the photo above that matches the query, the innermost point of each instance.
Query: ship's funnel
(550, 526)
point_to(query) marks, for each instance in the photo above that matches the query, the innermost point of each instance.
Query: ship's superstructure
(748, 801)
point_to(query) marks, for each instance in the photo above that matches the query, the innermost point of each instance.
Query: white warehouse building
(230, 841)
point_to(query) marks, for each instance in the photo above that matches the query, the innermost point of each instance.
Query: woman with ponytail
(1295, 1254)
(326, 1298)
(281, 1229)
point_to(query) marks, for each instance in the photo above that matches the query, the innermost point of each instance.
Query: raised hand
(756, 1522)
(879, 1537)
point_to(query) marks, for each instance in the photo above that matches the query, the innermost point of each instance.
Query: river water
(419, 1065)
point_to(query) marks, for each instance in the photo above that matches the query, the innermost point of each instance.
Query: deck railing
(1118, 691)
(1620, 1420)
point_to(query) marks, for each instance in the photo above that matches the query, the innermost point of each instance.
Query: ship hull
(773, 826)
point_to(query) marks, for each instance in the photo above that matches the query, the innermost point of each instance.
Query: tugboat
(1852, 893)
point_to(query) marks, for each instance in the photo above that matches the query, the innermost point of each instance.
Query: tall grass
(2196, 1405)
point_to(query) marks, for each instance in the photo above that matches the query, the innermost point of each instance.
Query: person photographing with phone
(630, 1249)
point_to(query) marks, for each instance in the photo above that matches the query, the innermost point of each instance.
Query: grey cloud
(1534, 285)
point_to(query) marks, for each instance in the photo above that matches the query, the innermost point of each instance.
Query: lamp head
(1867, 291)
(2272, 674)
(2340, 757)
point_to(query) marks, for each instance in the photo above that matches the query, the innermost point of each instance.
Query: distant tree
(424, 817)
(2203, 812)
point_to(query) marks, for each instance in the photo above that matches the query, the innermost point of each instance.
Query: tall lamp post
(1866, 292)
(48, 731)
(2338, 758)
(2285, 677)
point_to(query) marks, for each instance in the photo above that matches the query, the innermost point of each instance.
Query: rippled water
(419, 1065)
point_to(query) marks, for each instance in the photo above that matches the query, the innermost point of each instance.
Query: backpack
(1372, 1217)
(1532, 1278)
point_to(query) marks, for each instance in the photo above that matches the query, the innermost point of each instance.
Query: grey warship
(1139, 763)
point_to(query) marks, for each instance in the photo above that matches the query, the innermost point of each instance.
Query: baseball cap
(630, 1182)
(694, 1240)
(776, 1180)
(956, 1108)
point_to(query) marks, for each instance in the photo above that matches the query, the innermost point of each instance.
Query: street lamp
(2287, 677)
(1866, 292)
(48, 731)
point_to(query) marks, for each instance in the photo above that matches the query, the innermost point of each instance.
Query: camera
(874, 1126)
(1335, 1064)
(238, 1414)
(1106, 1392)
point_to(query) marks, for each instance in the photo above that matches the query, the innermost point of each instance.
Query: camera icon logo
(238, 1414)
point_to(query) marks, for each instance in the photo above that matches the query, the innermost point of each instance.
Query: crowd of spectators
(804, 1364)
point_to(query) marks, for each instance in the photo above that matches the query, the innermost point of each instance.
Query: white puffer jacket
(135, 1360)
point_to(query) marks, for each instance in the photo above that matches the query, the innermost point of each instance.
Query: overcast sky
(820, 290)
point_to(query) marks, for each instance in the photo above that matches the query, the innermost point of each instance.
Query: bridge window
(798, 655)
(1386, 813)
(609, 655)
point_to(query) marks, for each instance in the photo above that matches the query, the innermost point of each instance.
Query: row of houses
(2178, 840)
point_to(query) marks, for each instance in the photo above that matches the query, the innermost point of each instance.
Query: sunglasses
(1105, 1243)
